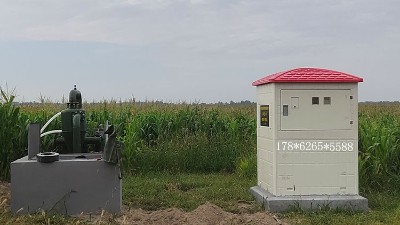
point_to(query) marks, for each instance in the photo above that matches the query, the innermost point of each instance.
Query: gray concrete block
(308, 202)
(69, 186)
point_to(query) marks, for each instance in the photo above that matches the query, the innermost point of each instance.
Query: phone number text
(332, 146)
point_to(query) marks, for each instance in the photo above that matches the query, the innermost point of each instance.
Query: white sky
(198, 50)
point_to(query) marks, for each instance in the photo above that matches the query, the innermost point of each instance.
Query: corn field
(197, 138)
(157, 137)
(379, 147)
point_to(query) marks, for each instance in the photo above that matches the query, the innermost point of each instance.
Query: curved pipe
(51, 132)
(48, 122)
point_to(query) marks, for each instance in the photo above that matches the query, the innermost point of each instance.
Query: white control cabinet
(307, 132)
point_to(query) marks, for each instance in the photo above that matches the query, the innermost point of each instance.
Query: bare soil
(205, 214)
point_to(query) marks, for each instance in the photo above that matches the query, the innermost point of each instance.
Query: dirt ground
(205, 214)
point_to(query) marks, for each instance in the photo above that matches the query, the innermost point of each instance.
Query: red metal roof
(308, 75)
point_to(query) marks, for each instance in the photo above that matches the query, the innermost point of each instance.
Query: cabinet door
(316, 110)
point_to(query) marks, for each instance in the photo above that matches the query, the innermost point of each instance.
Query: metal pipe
(48, 122)
(76, 133)
(51, 132)
(93, 140)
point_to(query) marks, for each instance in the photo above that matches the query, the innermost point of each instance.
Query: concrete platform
(308, 202)
(69, 186)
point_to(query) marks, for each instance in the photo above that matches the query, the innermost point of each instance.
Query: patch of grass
(153, 191)
(40, 218)
(385, 209)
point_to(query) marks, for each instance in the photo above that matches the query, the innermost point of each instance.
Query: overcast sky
(198, 50)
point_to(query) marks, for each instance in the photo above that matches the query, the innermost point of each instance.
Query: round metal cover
(47, 157)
